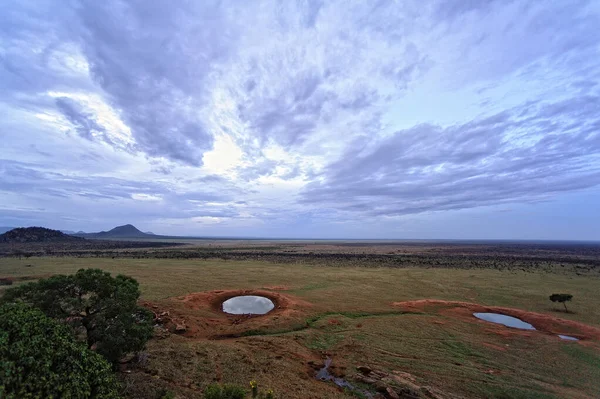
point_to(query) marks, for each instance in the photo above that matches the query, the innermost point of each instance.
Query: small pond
(248, 304)
(568, 338)
(508, 321)
(513, 322)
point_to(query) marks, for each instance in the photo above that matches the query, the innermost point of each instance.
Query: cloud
(522, 154)
(295, 115)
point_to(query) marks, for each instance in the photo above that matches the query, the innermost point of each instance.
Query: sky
(464, 119)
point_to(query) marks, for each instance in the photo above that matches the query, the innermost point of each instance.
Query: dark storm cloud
(522, 154)
(153, 61)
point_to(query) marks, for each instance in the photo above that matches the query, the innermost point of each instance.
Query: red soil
(200, 315)
(542, 322)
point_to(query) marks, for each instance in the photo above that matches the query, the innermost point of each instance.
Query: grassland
(346, 313)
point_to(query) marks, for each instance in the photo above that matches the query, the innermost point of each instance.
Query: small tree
(562, 298)
(39, 358)
(101, 308)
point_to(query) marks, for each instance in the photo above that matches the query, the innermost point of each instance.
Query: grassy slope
(451, 355)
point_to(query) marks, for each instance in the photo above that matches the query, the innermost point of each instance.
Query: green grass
(352, 289)
(583, 355)
(352, 319)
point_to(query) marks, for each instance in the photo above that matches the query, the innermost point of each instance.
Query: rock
(127, 358)
(408, 393)
(403, 376)
(391, 393)
(161, 332)
(364, 369)
(380, 386)
(180, 328)
(378, 374)
(366, 380)
(432, 393)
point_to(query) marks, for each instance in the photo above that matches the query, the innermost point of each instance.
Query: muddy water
(248, 304)
(325, 375)
(508, 321)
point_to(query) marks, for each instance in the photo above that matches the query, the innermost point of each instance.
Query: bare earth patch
(200, 315)
(542, 322)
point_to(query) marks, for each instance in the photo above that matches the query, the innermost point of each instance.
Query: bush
(225, 391)
(101, 309)
(39, 358)
(167, 394)
(561, 298)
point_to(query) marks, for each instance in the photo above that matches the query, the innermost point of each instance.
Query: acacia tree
(40, 358)
(101, 308)
(562, 298)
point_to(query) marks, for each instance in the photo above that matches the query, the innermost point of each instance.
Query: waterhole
(568, 338)
(248, 304)
(503, 319)
(513, 322)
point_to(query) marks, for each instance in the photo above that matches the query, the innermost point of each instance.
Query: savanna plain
(394, 318)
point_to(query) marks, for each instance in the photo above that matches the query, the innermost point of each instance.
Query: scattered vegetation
(167, 394)
(40, 358)
(233, 391)
(100, 307)
(561, 298)
(224, 391)
(443, 350)
(567, 259)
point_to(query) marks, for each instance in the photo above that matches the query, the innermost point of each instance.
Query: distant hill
(36, 234)
(4, 229)
(125, 231)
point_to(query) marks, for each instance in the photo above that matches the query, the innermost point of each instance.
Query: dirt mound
(36, 234)
(199, 315)
(284, 304)
(542, 322)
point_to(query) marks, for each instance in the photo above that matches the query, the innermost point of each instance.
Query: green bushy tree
(40, 358)
(102, 309)
(561, 298)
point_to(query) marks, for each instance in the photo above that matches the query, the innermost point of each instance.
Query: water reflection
(568, 338)
(508, 321)
(248, 304)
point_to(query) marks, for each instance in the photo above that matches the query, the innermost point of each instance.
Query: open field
(361, 316)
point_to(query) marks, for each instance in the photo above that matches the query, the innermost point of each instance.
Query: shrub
(167, 394)
(5, 281)
(561, 298)
(225, 391)
(39, 358)
(103, 308)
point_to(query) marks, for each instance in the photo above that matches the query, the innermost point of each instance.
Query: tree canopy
(98, 306)
(561, 298)
(40, 358)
